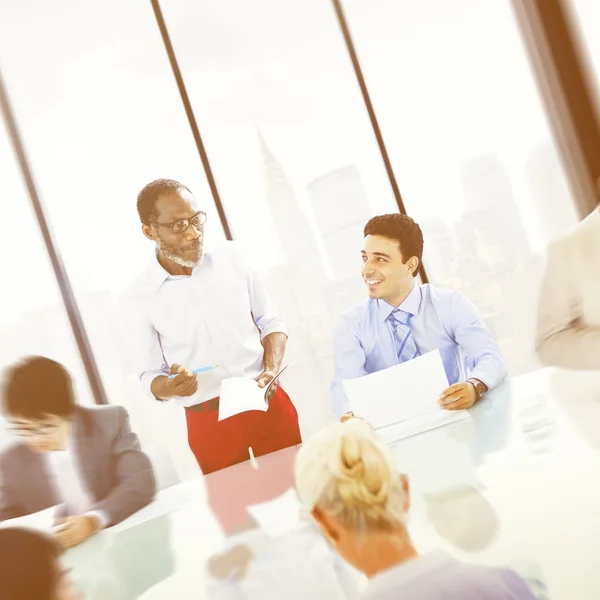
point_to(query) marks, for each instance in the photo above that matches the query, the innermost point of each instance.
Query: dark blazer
(117, 474)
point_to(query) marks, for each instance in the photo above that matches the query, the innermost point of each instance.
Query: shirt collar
(411, 304)
(156, 274)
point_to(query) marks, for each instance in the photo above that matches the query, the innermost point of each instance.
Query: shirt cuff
(148, 377)
(101, 516)
(491, 378)
(340, 404)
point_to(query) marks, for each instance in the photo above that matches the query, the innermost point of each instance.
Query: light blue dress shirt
(438, 576)
(365, 342)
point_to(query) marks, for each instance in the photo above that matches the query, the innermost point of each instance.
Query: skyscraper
(341, 210)
(491, 206)
(294, 229)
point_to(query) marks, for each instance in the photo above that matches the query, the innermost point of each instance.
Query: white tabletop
(516, 485)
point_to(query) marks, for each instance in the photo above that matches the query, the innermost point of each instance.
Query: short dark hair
(36, 387)
(401, 228)
(148, 197)
(28, 565)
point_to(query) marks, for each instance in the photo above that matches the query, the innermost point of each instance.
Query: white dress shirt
(218, 315)
(66, 479)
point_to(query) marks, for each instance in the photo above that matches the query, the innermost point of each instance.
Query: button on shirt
(218, 315)
(365, 340)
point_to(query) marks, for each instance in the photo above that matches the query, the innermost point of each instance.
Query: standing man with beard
(194, 309)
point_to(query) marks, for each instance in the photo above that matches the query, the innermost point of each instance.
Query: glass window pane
(472, 150)
(101, 115)
(294, 156)
(33, 319)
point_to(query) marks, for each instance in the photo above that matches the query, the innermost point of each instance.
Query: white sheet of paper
(402, 401)
(399, 431)
(40, 521)
(239, 394)
(278, 516)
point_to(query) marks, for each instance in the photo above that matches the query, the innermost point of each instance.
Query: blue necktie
(407, 348)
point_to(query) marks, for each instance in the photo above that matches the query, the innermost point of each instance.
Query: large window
(101, 115)
(32, 316)
(471, 148)
(295, 159)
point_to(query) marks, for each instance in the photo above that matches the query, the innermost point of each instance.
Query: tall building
(293, 227)
(341, 209)
(491, 207)
(296, 285)
(439, 250)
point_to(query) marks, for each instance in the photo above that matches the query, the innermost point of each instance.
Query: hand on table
(458, 396)
(234, 562)
(265, 378)
(79, 529)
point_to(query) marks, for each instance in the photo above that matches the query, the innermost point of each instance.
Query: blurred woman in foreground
(30, 567)
(348, 479)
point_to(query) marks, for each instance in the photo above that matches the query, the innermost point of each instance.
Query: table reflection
(516, 486)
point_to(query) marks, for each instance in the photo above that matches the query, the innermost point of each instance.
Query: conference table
(517, 484)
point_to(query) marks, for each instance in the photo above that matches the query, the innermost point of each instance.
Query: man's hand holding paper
(403, 400)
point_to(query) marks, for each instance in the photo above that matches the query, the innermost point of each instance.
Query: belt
(208, 406)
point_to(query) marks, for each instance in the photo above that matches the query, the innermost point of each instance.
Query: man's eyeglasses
(184, 224)
(38, 431)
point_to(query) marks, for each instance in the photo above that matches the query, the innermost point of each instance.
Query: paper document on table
(402, 401)
(40, 521)
(278, 516)
(240, 394)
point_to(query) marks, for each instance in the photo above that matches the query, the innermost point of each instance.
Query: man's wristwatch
(480, 387)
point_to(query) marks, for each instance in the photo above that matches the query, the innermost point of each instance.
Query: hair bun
(363, 470)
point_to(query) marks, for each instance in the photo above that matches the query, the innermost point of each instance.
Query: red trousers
(220, 444)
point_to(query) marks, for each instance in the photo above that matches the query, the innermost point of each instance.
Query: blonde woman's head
(348, 479)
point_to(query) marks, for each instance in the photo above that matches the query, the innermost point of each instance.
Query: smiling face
(177, 230)
(387, 274)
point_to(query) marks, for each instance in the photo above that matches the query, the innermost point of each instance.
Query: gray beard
(177, 258)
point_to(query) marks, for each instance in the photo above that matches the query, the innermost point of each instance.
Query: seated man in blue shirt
(402, 320)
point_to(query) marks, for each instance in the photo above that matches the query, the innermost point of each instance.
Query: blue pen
(196, 371)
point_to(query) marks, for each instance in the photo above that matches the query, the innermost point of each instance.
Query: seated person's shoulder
(105, 415)
(354, 315)
(589, 227)
(11, 454)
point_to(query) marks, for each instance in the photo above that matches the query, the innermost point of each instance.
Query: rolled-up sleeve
(349, 363)
(264, 311)
(477, 341)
